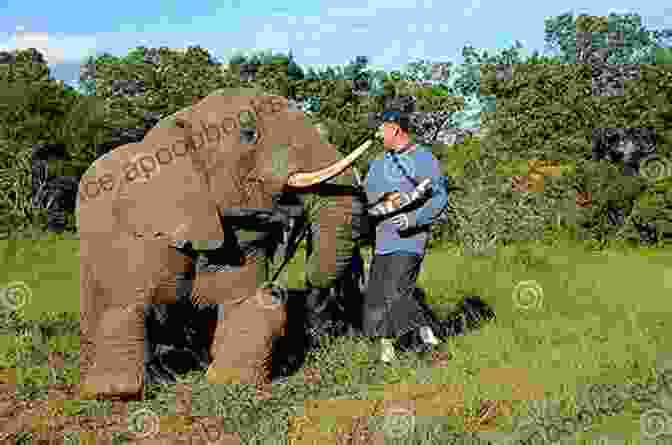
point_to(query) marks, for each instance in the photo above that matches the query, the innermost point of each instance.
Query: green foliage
(545, 110)
(654, 206)
(135, 56)
(610, 189)
(454, 158)
(34, 109)
(560, 32)
(663, 56)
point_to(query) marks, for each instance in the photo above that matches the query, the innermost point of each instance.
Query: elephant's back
(97, 187)
(159, 190)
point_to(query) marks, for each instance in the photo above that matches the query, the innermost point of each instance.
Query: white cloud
(312, 20)
(312, 52)
(271, 40)
(469, 11)
(390, 54)
(372, 7)
(55, 48)
(351, 12)
(328, 27)
(392, 4)
(418, 50)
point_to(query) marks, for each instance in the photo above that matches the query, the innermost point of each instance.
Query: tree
(34, 108)
(294, 71)
(560, 34)
(663, 56)
(356, 71)
(554, 111)
(461, 82)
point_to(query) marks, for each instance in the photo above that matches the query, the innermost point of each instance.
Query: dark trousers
(391, 305)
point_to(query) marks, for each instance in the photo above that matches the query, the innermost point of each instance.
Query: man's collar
(406, 149)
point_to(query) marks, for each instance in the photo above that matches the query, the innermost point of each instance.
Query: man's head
(394, 129)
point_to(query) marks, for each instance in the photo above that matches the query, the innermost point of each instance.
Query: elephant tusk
(312, 178)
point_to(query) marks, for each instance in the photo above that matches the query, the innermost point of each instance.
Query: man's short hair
(398, 117)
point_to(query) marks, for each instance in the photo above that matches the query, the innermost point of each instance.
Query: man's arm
(433, 206)
(396, 201)
(371, 184)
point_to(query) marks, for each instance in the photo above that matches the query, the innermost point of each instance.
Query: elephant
(178, 339)
(141, 204)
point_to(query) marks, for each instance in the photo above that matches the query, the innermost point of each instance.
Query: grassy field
(567, 318)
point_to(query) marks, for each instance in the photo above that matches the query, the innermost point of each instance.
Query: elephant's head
(252, 148)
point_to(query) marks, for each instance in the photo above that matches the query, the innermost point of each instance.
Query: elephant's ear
(174, 120)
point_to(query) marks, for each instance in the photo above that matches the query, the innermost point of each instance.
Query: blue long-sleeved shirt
(402, 172)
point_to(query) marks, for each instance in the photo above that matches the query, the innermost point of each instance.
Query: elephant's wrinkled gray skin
(130, 222)
(177, 335)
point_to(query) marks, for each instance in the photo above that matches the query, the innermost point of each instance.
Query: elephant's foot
(221, 375)
(119, 350)
(244, 341)
(109, 385)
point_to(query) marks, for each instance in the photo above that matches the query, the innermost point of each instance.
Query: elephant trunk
(334, 244)
(334, 238)
(332, 175)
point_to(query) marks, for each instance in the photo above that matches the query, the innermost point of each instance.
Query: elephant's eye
(248, 127)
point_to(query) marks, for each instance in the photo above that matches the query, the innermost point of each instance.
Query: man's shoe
(387, 354)
(421, 341)
(427, 336)
(425, 350)
(280, 381)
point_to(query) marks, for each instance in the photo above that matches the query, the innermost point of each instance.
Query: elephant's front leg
(254, 320)
(118, 370)
(119, 334)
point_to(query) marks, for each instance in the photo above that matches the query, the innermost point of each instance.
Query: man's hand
(401, 221)
(393, 201)
(396, 199)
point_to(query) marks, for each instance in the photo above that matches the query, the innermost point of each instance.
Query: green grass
(50, 269)
(594, 317)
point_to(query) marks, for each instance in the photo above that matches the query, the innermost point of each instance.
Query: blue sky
(391, 32)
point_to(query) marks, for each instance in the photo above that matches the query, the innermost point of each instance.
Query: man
(391, 309)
